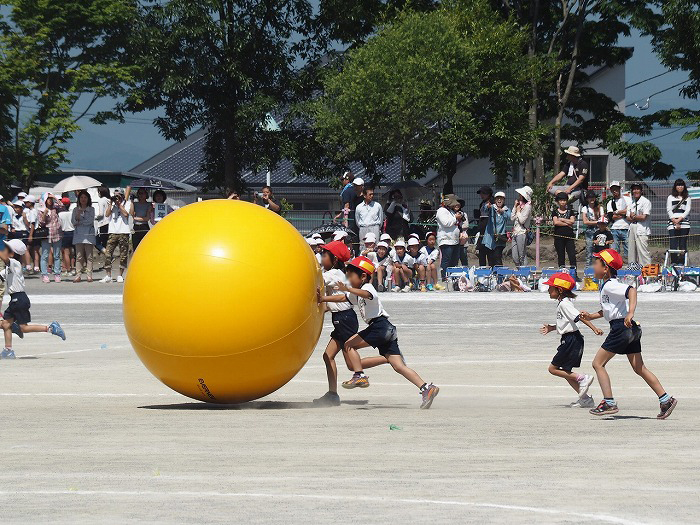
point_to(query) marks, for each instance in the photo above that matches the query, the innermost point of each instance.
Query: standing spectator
(495, 237)
(358, 186)
(617, 217)
(678, 208)
(48, 218)
(521, 216)
(101, 219)
(576, 173)
(119, 231)
(67, 239)
(141, 213)
(347, 195)
(19, 229)
(369, 214)
(398, 216)
(486, 195)
(463, 225)
(564, 218)
(31, 217)
(268, 199)
(639, 215)
(84, 238)
(161, 209)
(590, 215)
(448, 216)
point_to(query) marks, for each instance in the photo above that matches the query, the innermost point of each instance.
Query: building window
(598, 166)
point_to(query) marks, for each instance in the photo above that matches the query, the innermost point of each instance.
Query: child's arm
(546, 328)
(596, 330)
(329, 298)
(587, 316)
(355, 291)
(633, 306)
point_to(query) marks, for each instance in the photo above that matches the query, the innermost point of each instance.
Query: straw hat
(573, 150)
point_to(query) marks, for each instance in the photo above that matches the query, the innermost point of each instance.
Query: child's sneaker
(55, 329)
(17, 330)
(329, 399)
(406, 288)
(439, 287)
(604, 409)
(583, 402)
(381, 288)
(667, 408)
(428, 395)
(45, 279)
(7, 353)
(356, 382)
(396, 289)
(430, 288)
(584, 385)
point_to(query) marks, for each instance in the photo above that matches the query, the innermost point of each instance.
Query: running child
(17, 316)
(380, 333)
(618, 304)
(384, 265)
(427, 263)
(403, 267)
(333, 258)
(570, 351)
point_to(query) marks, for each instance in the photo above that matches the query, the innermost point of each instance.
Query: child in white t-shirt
(618, 303)
(403, 268)
(570, 350)
(428, 263)
(383, 263)
(414, 254)
(380, 333)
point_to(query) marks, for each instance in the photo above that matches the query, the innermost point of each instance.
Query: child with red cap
(380, 333)
(570, 351)
(618, 304)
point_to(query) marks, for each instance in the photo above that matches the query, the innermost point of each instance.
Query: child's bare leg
(407, 274)
(638, 366)
(371, 362)
(569, 376)
(396, 362)
(432, 273)
(397, 276)
(381, 275)
(7, 328)
(33, 328)
(599, 361)
(331, 370)
(351, 354)
(421, 272)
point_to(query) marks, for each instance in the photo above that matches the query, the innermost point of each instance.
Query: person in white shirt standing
(369, 214)
(678, 208)
(448, 218)
(639, 216)
(617, 215)
(119, 232)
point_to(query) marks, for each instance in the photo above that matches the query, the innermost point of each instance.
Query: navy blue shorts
(18, 309)
(345, 325)
(381, 334)
(623, 340)
(569, 352)
(67, 241)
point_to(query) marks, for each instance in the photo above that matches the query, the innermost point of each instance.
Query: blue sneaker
(56, 329)
(17, 330)
(7, 353)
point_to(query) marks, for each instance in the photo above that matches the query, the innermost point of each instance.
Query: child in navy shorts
(380, 333)
(334, 255)
(618, 303)
(570, 351)
(17, 315)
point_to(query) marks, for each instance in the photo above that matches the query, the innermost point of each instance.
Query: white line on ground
(75, 351)
(603, 518)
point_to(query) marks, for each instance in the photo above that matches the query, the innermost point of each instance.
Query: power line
(647, 104)
(665, 134)
(648, 79)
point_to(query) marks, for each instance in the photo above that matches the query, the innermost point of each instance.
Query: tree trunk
(448, 170)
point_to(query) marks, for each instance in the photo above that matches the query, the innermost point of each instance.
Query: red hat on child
(65, 201)
(610, 257)
(364, 264)
(339, 249)
(562, 280)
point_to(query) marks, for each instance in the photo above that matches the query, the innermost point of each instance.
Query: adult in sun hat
(576, 174)
(448, 217)
(617, 216)
(639, 216)
(494, 238)
(521, 215)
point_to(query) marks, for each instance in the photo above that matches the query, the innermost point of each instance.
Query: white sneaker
(396, 289)
(584, 385)
(106, 279)
(584, 402)
(120, 279)
(406, 288)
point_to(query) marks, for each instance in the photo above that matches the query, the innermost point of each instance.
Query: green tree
(427, 88)
(222, 65)
(57, 58)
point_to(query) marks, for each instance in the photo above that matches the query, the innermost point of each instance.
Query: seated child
(403, 268)
(414, 253)
(428, 263)
(384, 265)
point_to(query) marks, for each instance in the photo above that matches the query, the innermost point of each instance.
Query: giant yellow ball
(220, 301)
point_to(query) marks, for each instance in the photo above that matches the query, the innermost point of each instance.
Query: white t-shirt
(622, 204)
(14, 279)
(567, 316)
(425, 257)
(614, 299)
(448, 231)
(18, 222)
(66, 218)
(117, 222)
(318, 257)
(331, 278)
(369, 308)
(32, 216)
(386, 261)
(641, 207)
(407, 259)
(102, 204)
(590, 213)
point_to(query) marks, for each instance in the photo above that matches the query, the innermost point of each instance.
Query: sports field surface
(88, 435)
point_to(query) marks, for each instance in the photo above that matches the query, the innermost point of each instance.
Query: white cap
(17, 246)
(339, 235)
(317, 236)
(499, 194)
(385, 237)
(414, 236)
(21, 195)
(615, 183)
(399, 243)
(413, 241)
(313, 241)
(370, 237)
(358, 182)
(30, 198)
(382, 244)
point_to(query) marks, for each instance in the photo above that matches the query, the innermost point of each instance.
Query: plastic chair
(453, 274)
(485, 273)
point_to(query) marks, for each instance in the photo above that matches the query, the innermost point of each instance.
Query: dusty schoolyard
(90, 436)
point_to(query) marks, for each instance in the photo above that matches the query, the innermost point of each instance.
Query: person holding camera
(119, 230)
(448, 218)
(398, 216)
(268, 199)
(495, 236)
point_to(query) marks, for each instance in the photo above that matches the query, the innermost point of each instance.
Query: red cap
(610, 257)
(562, 280)
(65, 201)
(364, 264)
(339, 249)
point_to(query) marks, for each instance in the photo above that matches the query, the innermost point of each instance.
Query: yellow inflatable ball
(220, 301)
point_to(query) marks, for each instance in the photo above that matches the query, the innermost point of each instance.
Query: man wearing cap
(353, 196)
(639, 216)
(369, 214)
(617, 215)
(577, 173)
(346, 197)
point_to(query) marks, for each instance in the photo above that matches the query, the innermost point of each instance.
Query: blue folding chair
(483, 276)
(453, 274)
